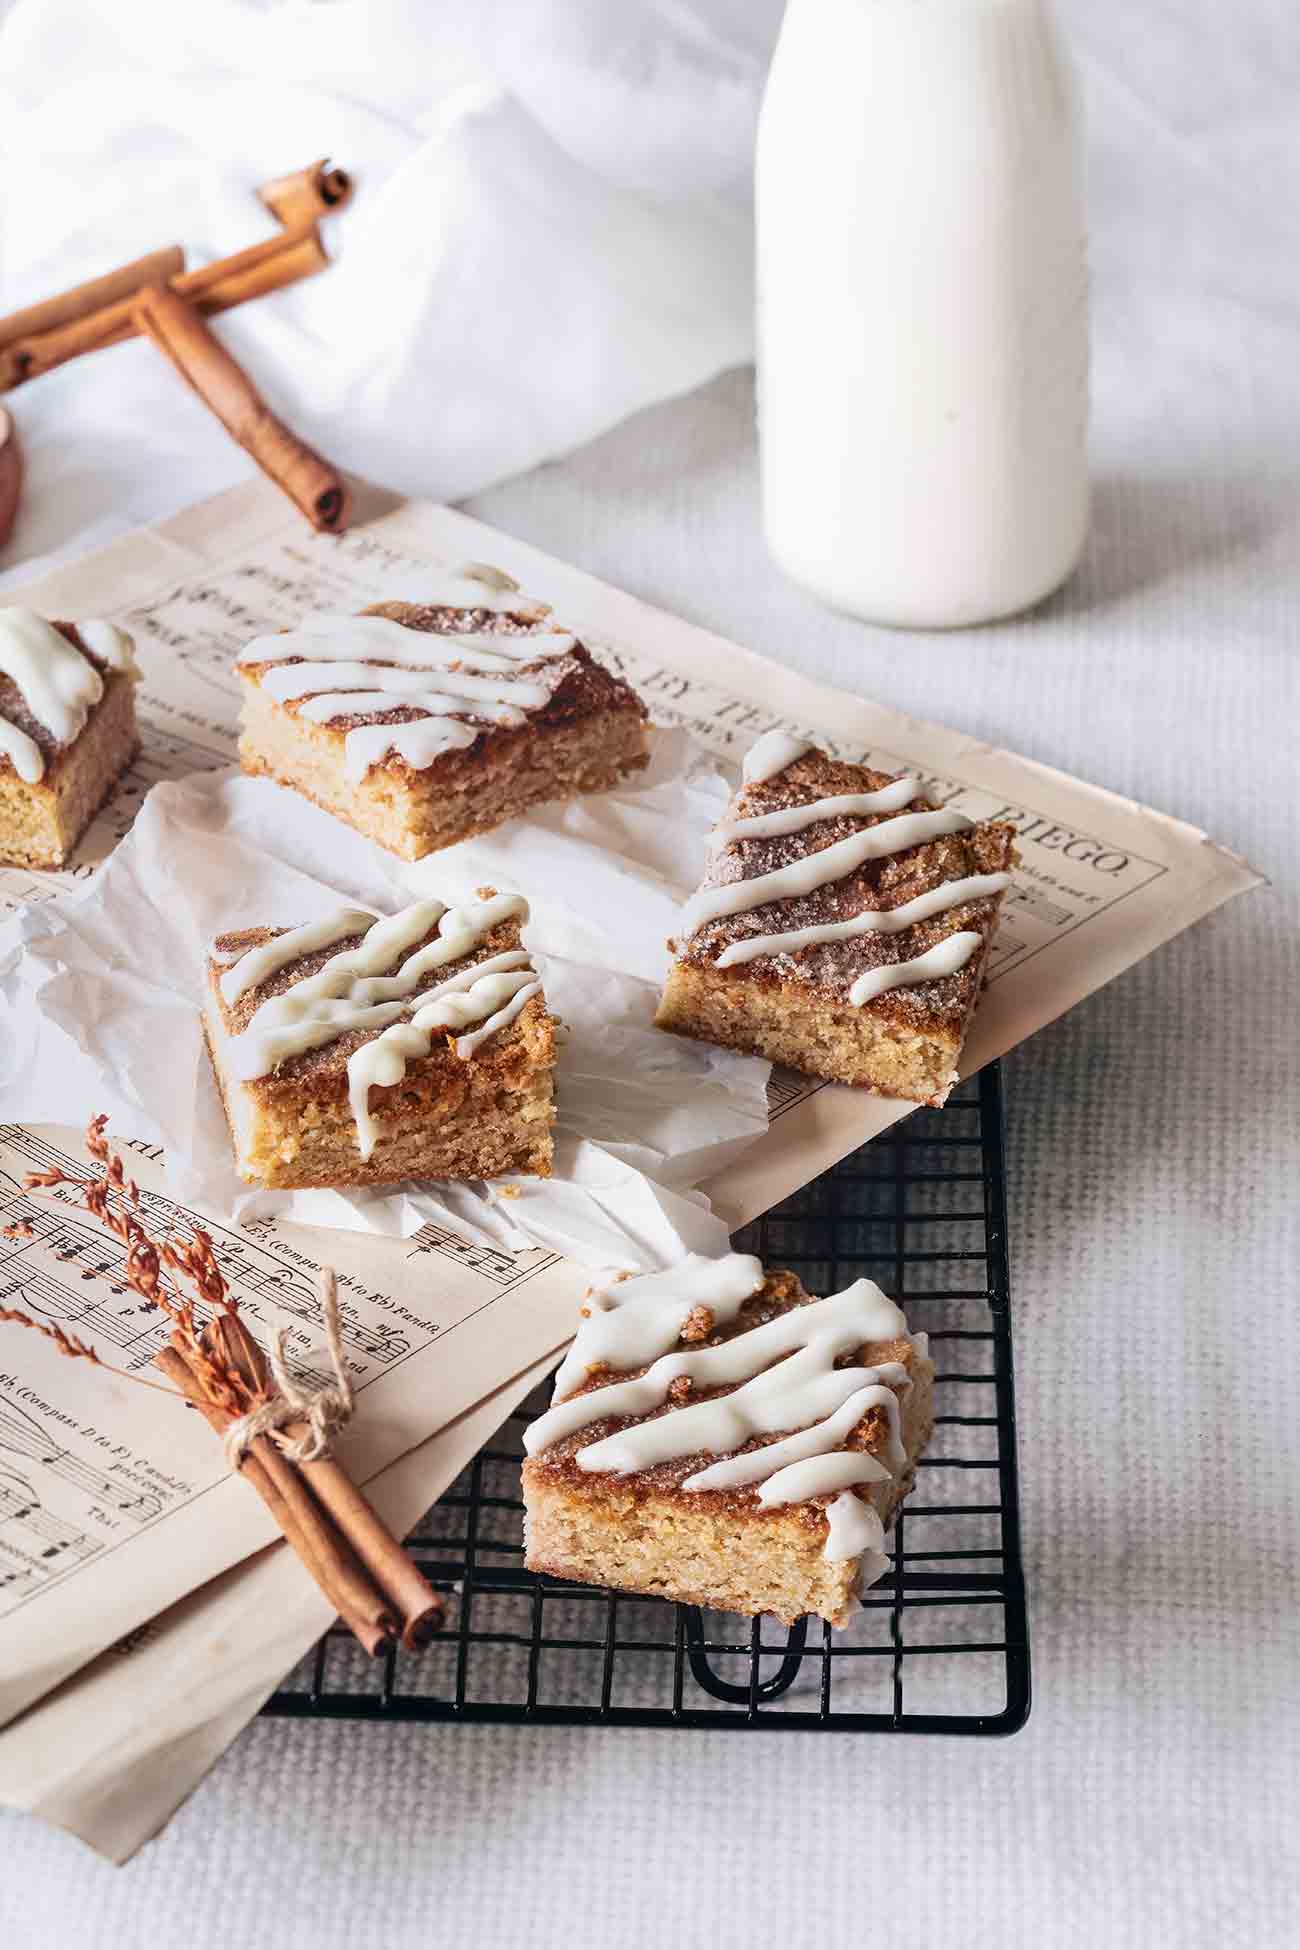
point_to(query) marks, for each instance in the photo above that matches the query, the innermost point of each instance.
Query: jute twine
(325, 1407)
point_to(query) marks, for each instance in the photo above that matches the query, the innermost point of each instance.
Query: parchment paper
(97, 1017)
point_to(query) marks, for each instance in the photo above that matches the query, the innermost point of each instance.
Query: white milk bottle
(922, 308)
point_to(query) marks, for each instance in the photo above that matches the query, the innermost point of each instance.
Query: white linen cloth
(1153, 1152)
(550, 229)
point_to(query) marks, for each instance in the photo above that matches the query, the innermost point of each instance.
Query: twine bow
(324, 1407)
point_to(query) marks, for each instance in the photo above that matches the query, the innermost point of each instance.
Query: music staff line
(56, 1545)
(504, 1269)
(260, 1279)
(23, 1435)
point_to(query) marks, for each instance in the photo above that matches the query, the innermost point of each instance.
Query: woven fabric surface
(1153, 1146)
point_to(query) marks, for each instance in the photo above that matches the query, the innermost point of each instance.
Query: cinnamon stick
(340, 1579)
(11, 475)
(157, 268)
(220, 1370)
(405, 1586)
(310, 482)
(408, 1591)
(31, 344)
(307, 195)
(360, 1604)
(263, 267)
(418, 1605)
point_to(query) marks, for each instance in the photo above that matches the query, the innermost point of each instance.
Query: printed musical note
(23, 1435)
(35, 1545)
(502, 1268)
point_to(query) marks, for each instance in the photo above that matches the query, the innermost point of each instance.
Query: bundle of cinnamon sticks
(368, 1578)
(218, 1367)
(156, 296)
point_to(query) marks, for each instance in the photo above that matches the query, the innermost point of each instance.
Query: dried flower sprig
(69, 1344)
(76, 1349)
(113, 1200)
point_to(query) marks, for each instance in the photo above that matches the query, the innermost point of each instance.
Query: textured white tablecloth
(1153, 1156)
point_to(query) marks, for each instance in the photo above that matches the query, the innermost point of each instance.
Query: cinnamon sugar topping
(812, 885)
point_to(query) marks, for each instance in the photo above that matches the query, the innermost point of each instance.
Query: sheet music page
(115, 1502)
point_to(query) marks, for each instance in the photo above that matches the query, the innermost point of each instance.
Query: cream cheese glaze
(819, 869)
(354, 991)
(893, 920)
(24, 754)
(770, 754)
(900, 830)
(629, 1323)
(794, 819)
(59, 684)
(336, 667)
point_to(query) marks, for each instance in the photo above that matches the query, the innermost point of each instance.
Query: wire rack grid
(940, 1644)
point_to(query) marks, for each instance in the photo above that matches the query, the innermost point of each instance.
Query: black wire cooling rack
(940, 1645)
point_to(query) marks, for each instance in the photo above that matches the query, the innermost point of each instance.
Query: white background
(1153, 1154)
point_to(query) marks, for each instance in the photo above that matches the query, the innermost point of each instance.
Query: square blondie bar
(361, 1051)
(67, 731)
(843, 925)
(721, 1438)
(422, 724)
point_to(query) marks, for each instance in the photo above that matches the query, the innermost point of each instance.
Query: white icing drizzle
(830, 1327)
(814, 1443)
(893, 920)
(819, 869)
(771, 754)
(418, 744)
(817, 1475)
(351, 639)
(253, 966)
(59, 685)
(854, 1529)
(809, 1445)
(466, 1045)
(947, 957)
(490, 577)
(445, 690)
(787, 1379)
(630, 1323)
(457, 681)
(894, 834)
(110, 644)
(24, 753)
(793, 819)
(496, 989)
(353, 992)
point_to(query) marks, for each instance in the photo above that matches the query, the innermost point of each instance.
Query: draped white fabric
(551, 227)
